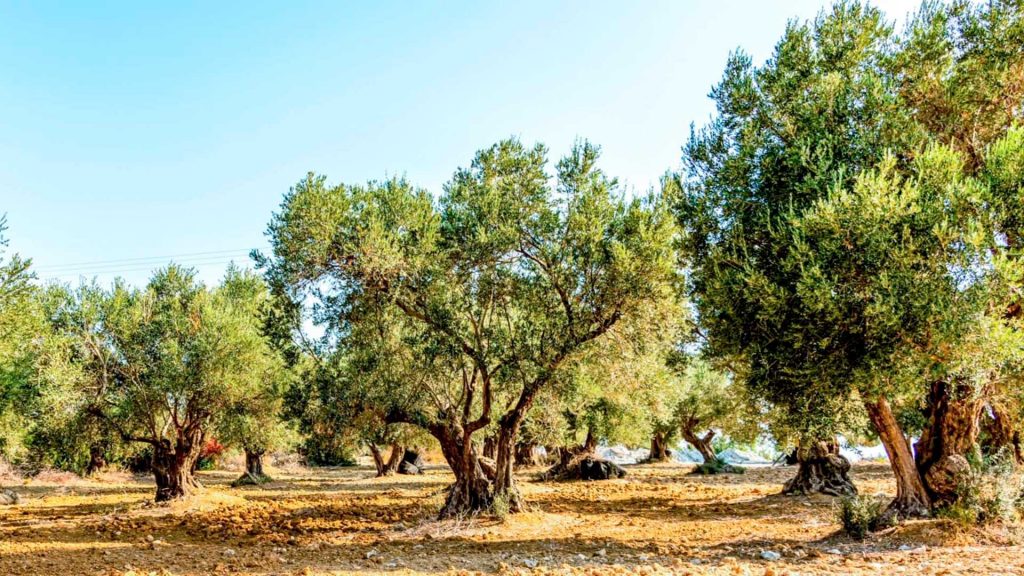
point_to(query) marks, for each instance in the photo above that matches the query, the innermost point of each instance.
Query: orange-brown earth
(659, 520)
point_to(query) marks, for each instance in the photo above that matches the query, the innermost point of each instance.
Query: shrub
(859, 515)
(501, 507)
(718, 467)
(990, 492)
(211, 452)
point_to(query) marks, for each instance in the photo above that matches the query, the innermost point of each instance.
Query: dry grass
(659, 520)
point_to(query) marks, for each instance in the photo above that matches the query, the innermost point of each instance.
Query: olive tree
(20, 323)
(842, 240)
(492, 286)
(166, 361)
(254, 421)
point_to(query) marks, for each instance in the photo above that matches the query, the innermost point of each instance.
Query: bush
(991, 492)
(208, 456)
(859, 515)
(501, 506)
(718, 467)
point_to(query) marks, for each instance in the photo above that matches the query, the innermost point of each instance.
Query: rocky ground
(659, 520)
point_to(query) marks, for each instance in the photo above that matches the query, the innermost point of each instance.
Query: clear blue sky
(133, 130)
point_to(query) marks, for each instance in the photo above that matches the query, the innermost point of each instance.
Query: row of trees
(839, 254)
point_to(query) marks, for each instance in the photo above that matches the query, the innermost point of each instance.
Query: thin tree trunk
(821, 469)
(378, 458)
(590, 444)
(950, 435)
(911, 497)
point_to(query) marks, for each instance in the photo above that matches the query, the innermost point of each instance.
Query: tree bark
(490, 446)
(659, 447)
(472, 491)
(912, 500)
(526, 455)
(173, 466)
(821, 469)
(702, 444)
(590, 444)
(390, 466)
(949, 437)
(97, 459)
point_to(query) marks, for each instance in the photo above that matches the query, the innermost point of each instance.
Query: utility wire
(142, 259)
(124, 265)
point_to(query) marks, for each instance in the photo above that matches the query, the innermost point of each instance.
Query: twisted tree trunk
(472, 491)
(659, 447)
(702, 444)
(526, 455)
(821, 469)
(173, 466)
(97, 459)
(950, 435)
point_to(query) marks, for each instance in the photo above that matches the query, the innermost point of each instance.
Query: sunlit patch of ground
(659, 520)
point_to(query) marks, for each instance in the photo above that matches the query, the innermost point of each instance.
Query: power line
(141, 264)
(144, 259)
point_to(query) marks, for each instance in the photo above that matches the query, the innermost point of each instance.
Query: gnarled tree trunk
(581, 463)
(97, 459)
(173, 466)
(490, 447)
(821, 469)
(950, 435)
(702, 444)
(912, 499)
(472, 491)
(254, 474)
(526, 455)
(659, 447)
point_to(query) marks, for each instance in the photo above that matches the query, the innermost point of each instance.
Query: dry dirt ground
(659, 520)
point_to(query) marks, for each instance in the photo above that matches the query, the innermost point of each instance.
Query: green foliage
(501, 507)
(21, 322)
(172, 359)
(254, 421)
(839, 213)
(991, 492)
(438, 310)
(859, 515)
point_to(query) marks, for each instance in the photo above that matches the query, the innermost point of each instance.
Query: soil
(657, 520)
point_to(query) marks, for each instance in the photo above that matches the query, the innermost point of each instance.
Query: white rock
(601, 552)
(769, 555)
(229, 552)
(833, 551)
(530, 563)
(371, 553)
